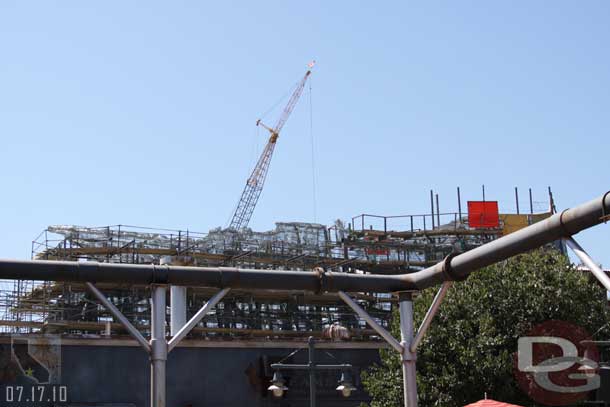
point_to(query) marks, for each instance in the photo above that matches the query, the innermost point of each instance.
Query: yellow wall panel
(512, 222)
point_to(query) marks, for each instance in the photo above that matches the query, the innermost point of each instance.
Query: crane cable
(313, 156)
(280, 100)
(255, 151)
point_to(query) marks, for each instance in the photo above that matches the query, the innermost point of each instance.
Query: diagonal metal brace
(196, 318)
(378, 328)
(425, 324)
(120, 317)
(601, 276)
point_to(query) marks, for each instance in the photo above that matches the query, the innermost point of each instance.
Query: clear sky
(144, 113)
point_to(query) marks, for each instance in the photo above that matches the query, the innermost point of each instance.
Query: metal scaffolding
(370, 244)
(454, 267)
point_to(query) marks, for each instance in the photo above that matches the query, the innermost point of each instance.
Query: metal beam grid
(291, 246)
(240, 314)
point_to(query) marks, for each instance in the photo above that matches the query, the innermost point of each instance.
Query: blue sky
(144, 113)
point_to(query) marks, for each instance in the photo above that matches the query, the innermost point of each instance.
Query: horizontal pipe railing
(558, 226)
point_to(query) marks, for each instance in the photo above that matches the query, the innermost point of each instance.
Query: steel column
(312, 374)
(459, 204)
(438, 213)
(432, 207)
(408, 357)
(601, 276)
(158, 355)
(177, 298)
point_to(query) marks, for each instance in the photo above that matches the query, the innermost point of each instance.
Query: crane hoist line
(256, 180)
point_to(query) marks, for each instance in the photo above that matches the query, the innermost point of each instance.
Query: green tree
(469, 349)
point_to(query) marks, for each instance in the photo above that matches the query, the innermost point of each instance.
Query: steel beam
(196, 318)
(284, 366)
(597, 271)
(372, 323)
(120, 317)
(436, 303)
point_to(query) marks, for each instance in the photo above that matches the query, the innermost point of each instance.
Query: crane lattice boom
(254, 184)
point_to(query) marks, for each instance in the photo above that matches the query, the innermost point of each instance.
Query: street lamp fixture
(277, 387)
(345, 386)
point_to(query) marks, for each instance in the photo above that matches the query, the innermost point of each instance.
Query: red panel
(377, 251)
(483, 214)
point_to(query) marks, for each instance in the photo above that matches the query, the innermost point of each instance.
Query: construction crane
(256, 181)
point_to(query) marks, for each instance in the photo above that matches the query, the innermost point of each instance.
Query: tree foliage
(469, 349)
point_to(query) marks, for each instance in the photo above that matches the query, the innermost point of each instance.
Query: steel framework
(368, 244)
(559, 226)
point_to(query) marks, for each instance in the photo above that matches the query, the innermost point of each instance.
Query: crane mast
(254, 184)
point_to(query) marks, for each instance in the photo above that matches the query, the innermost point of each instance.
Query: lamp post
(278, 386)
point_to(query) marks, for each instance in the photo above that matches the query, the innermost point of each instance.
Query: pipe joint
(158, 349)
(324, 280)
(228, 277)
(605, 215)
(407, 355)
(448, 273)
(562, 226)
(160, 274)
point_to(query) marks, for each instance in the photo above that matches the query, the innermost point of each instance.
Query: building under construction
(273, 321)
(58, 333)
(366, 244)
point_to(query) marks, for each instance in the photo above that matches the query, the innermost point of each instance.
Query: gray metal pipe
(597, 271)
(220, 277)
(373, 324)
(425, 324)
(158, 355)
(203, 311)
(558, 226)
(409, 373)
